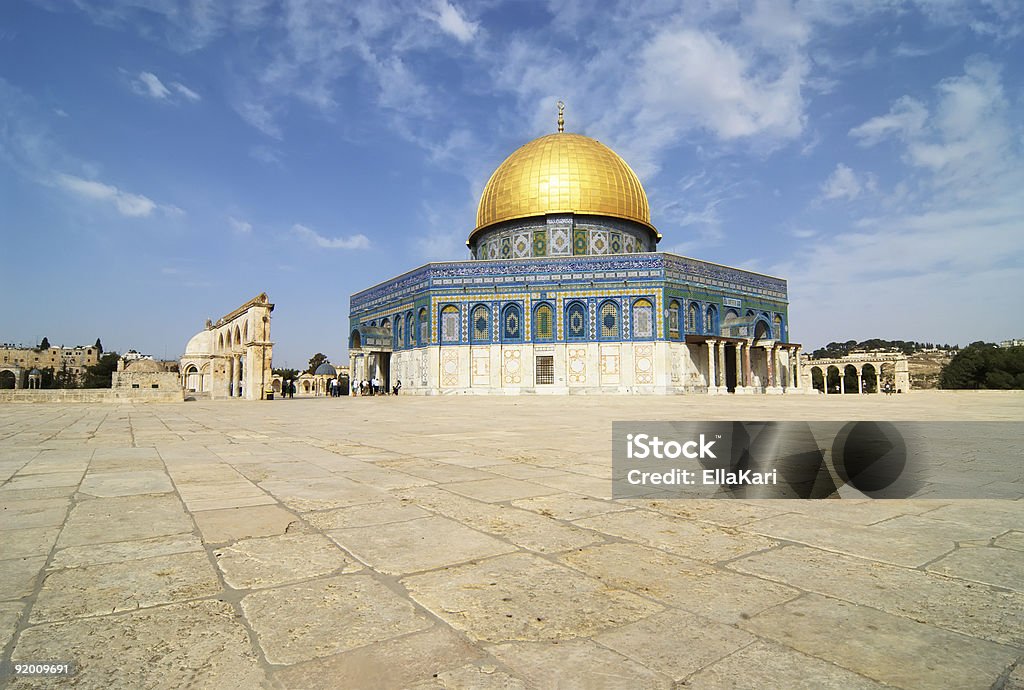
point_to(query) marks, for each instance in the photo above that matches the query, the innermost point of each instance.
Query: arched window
(481, 324)
(410, 330)
(608, 321)
(512, 323)
(673, 319)
(777, 327)
(399, 333)
(643, 319)
(450, 324)
(543, 323)
(711, 321)
(693, 318)
(576, 321)
(424, 327)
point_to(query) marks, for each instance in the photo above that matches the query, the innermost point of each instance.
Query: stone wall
(93, 395)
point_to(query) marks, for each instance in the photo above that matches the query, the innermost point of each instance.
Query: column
(238, 376)
(878, 378)
(231, 377)
(748, 377)
(711, 365)
(739, 367)
(720, 345)
(769, 356)
(797, 373)
(842, 381)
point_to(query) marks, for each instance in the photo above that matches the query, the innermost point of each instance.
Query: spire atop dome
(561, 117)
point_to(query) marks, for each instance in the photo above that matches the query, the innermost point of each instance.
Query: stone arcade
(565, 292)
(232, 357)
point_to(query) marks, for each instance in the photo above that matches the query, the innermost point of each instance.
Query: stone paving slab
(420, 544)
(102, 520)
(270, 561)
(522, 597)
(892, 649)
(95, 590)
(766, 665)
(954, 604)
(400, 662)
(400, 542)
(229, 524)
(194, 645)
(323, 617)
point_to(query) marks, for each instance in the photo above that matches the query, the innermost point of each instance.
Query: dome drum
(561, 235)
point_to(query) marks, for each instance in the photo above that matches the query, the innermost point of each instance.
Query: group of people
(287, 389)
(374, 386)
(334, 388)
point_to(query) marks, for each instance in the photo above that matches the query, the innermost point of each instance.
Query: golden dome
(562, 173)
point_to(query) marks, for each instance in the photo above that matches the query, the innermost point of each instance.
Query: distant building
(1015, 342)
(232, 357)
(16, 361)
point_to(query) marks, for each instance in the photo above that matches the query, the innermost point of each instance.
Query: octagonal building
(565, 292)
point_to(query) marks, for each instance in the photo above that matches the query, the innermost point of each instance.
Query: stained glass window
(424, 327)
(673, 319)
(643, 319)
(512, 323)
(410, 331)
(544, 322)
(693, 318)
(710, 320)
(450, 324)
(576, 321)
(608, 319)
(481, 324)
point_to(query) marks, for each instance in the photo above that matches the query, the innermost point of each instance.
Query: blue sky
(163, 162)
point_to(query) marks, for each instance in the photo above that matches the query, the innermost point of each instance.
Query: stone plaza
(468, 542)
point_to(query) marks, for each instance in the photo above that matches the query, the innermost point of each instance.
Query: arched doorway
(851, 379)
(7, 380)
(832, 379)
(869, 379)
(817, 379)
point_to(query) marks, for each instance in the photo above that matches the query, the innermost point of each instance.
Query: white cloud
(844, 183)
(148, 84)
(241, 227)
(260, 117)
(358, 241)
(905, 118)
(451, 21)
(127, 204)
(185, 91)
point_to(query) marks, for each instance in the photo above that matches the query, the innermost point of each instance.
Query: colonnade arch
(858, 374)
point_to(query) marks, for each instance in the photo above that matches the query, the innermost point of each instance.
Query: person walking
(398, 386)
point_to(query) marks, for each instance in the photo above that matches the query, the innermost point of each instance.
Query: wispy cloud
(240, 227)
(126, 203)
(314, 238)
(185, 91)
(844, 183)
(453, 23)
(149, 85)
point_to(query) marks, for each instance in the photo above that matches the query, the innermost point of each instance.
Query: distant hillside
(907, 347)
(926, 367)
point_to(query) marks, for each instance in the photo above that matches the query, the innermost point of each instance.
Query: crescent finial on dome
(561, 117)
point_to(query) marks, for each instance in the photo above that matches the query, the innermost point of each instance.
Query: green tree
(286, 374)
(99, 347)
(45, 344)
(99, 375)
(315, 361)
(983, 365)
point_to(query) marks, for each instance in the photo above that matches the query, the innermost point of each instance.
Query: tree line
(907, 347)
(982, 365)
